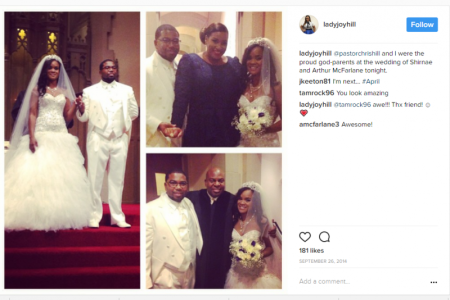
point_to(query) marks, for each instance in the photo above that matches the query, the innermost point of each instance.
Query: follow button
(421, 24)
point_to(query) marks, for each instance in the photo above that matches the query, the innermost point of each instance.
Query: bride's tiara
(52, 56)
(253, 186)
(260, 41)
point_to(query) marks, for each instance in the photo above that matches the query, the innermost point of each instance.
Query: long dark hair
(256, 206)
(213, 27)
(245, 58)
(309, 19)
(43, 77)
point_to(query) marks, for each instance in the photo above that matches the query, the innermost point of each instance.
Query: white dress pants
(170, 278)
(102, 151)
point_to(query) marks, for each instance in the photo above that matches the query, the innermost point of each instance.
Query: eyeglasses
(167, 41)
(173, 183)
(110, 67)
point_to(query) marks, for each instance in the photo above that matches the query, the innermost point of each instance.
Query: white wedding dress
(48, 189)
(267, 139)
(261, 280)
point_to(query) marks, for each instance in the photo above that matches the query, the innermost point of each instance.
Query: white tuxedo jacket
(163, 241)
(94, 97)
(160, 96)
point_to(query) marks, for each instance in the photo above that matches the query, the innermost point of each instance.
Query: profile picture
(309, 24)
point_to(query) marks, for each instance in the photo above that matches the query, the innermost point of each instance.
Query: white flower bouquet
(252, 121)
(247, 258)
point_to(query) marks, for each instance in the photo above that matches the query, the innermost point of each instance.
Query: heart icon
(305, 236)
(303, 112)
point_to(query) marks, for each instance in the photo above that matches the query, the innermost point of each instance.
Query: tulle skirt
(48, 189)
(265, 280)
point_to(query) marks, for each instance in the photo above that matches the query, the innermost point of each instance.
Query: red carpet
(104, 258)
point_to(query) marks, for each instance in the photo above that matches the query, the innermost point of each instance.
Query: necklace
(254, 89)
(52, 90)
(243, 226)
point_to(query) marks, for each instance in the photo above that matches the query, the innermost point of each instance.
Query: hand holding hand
(170, 130)
(173, 132)
(80, 104)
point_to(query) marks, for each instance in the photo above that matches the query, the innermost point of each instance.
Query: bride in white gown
(251, 228)
(46, 186)
(262, 94)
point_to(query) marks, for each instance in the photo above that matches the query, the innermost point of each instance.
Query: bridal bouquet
(247, 257)
(252, 121)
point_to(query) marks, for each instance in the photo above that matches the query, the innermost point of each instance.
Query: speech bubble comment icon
(305, 236)
(324, 237)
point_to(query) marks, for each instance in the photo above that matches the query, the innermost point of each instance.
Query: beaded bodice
(262, 101)
(253, 235)
(50, 116)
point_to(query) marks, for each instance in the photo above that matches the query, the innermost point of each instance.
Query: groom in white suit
(161, 68)
(173, 237)
(110, 107)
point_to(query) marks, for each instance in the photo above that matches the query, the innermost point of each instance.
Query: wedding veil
(270, 51)
(274, 261)
(21, 125)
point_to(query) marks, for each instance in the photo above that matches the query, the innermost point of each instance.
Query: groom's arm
(152, 122)
(133, 109)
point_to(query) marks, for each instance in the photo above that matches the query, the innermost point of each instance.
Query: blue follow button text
(421, 24)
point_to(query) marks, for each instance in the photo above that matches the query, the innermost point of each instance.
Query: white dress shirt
(211, 198)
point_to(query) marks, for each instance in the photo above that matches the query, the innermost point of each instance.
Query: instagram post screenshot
(233, 150)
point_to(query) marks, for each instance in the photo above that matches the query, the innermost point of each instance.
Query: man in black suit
(213, 208)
